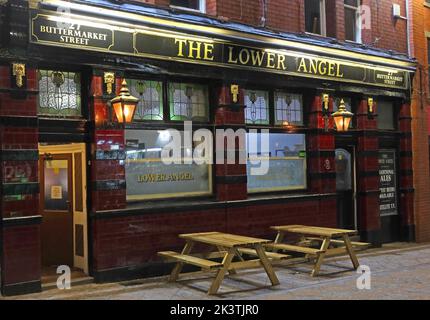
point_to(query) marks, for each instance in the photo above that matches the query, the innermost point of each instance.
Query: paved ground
(398, 271)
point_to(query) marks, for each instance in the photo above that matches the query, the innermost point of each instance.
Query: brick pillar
(406, 174)
(20, 217)
(321, 149)
(321, 160)
(231, 179)
(107, 149)
(369, 221)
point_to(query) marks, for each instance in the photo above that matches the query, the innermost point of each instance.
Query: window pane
(148, 177)
(385, 115)
(59, 93)
(288, 108)
(285, 154)
(313, 16)
(257, 107)
(192, 4)
(350, 24)
(150, 94)
(189, 102)
(353, 3)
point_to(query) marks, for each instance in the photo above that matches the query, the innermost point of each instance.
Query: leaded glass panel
(257, 107)
(288, 108)
(188, 102)
(59, 93)
(150, 95)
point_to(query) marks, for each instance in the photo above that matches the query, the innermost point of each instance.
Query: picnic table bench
(228, 246)
(330, 241)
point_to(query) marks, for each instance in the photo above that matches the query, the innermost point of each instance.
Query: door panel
(56, 209)
(345, 188)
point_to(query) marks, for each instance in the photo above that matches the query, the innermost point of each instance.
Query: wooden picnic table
(227, 247)
(324, 236)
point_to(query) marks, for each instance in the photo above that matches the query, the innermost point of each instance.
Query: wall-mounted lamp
(124, 105)
(18, 71)
(234, 90)
(370, 108)
(342, 117)
(109, 80)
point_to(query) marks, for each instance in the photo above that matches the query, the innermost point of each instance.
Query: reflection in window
(59, 93)
(352, 30)
(257, 107)
(188, 102)
(148, 177)
(286, 156)
(343, 170)
(385, 117)
(315, 16)
(150, 95)
(288, 108)
(189, 4)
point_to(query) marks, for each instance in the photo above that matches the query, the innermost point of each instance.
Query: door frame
(349, 144)
(82, 216)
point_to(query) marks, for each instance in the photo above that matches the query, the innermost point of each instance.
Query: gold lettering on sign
(198, 50)
(256, 58)
(165, 177)
(230, 55)
(320, 67)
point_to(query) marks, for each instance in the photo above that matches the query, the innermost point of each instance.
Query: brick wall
(131, 241)
(386, 32)
(19, 202)
(420, 120)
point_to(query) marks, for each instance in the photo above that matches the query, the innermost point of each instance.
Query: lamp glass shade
(342, 123)
(124, 105)
(342, 118)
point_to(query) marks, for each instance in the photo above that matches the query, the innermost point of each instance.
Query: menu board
(388, 183)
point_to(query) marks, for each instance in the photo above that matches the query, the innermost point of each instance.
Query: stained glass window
(150, 95)
(188, 102)
(257, 107)
(288, 108)
(59, 93)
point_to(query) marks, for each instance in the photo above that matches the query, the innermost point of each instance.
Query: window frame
(358, 33)
(167, 123)
(202, 7)
(323, 19)
(279, 129)
(82, 93)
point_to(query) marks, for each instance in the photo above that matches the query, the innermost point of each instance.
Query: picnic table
(228, 246)
(324, 237)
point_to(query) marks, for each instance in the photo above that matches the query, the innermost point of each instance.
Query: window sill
(179, 206)
(188, 9)
(354, 42)
(426, 4)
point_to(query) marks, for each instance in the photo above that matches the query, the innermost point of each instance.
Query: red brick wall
(288, 15)
(148, 234)
(420, 120)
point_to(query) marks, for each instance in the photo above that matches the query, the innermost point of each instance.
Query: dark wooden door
(56, 195)
(345, 188)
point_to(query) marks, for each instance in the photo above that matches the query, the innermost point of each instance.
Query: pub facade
(84, 187)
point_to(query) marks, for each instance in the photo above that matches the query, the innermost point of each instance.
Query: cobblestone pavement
(398, 271)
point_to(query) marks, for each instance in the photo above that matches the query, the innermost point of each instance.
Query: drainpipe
(409, 30)
(264, 13)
